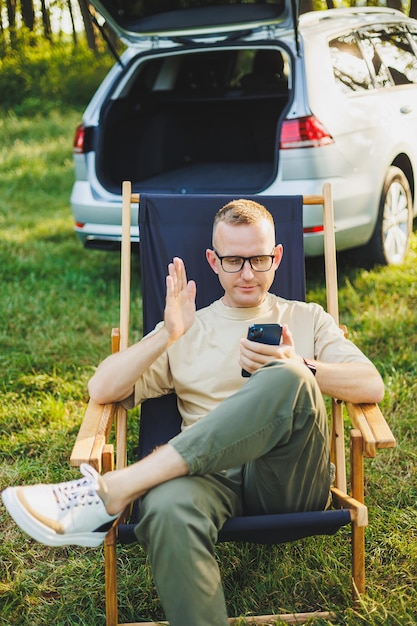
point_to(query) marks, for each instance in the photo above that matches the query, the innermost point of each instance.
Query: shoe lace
(79, 492)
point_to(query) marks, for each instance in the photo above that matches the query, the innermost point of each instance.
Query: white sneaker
(63, 514)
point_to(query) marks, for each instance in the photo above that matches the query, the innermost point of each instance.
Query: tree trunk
(88, 26)
(305, 6)
(11, 13)
(395, 4)
(28, 14)
(74, 30)
(413, 9)
(11, 18)
(46, 20)
(2, 35)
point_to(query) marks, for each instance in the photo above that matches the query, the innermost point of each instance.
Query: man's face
(246, 288)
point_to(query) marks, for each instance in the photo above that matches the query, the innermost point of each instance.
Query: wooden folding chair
(181, 226)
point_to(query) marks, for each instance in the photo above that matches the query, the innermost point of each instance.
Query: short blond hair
(242, 211)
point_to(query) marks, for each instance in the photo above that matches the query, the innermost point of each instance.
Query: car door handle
(405, 110)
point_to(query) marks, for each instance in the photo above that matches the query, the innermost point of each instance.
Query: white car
(249, 99)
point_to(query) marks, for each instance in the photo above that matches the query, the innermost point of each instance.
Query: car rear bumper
(97, 221)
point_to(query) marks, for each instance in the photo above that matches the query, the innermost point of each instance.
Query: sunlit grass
(58, 303)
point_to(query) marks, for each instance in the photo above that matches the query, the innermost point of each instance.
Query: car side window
(413, 35)
(395, 53)
(381, 76)
(349, 67)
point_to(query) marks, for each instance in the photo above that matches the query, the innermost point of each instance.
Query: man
(249, 445)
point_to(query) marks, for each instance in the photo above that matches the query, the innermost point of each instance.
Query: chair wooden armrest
(91, 444)
(91, 440)
(358, 511)
(376, 433)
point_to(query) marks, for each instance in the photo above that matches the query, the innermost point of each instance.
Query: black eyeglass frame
(244, 259)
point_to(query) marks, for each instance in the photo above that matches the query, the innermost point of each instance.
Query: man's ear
(212, 260)
(278, 252)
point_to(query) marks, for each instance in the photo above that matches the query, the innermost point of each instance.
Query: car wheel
(391, 238)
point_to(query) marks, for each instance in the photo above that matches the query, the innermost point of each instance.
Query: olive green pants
(263, 450)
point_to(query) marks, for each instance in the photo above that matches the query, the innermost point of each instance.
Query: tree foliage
(408, 7)
(41, 19)
(46, 20)
(46, 76)
(43, 40)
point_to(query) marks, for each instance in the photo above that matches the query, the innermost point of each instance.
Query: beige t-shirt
(202, 366)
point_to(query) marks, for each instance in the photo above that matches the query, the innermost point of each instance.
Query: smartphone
(264, 333)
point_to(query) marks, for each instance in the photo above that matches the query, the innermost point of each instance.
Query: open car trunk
(196, 122)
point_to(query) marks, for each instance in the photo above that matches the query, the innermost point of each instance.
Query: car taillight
(79, 140)
(313, 229)
(304, 132)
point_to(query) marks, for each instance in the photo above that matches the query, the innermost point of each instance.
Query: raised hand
(179, 311)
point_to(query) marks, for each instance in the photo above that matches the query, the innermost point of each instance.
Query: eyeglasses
(233, 264)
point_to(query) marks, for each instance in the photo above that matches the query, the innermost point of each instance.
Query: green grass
(58, 304)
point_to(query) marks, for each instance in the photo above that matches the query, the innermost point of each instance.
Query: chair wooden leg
(358, 533)
(112, 616)
(358, 561)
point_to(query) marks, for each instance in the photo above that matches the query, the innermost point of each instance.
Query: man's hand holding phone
(253, 357)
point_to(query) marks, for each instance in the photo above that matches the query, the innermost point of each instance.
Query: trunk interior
(201, 122)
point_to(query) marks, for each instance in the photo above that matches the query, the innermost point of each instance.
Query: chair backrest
(178, 225)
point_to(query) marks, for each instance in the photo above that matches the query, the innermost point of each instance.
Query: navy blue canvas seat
(181, 226)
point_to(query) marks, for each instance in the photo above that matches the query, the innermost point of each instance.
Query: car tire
(391, 238)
